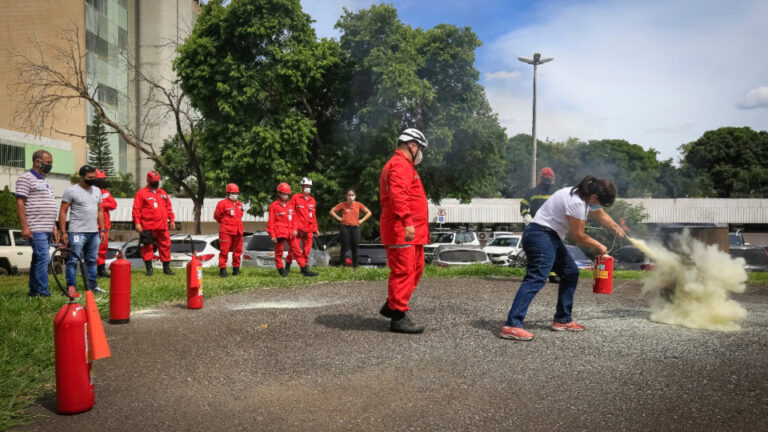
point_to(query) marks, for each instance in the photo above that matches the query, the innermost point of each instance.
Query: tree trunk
(198, 212)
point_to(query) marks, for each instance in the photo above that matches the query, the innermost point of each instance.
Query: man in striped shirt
(37, 209)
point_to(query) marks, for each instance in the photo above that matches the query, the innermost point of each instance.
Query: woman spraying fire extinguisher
(566, 210)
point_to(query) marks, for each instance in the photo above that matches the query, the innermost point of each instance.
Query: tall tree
(252, 67)
(8, 216)
(99, 152)
(730, 162)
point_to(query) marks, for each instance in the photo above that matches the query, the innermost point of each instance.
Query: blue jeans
(85, 245)
(38, 268)
(546, 253)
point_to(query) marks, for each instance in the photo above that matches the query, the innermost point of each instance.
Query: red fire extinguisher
(194, 281)
(120, 291)
(603, 275)
(77, 345)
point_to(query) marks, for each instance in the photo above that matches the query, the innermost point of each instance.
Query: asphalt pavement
(321, 359)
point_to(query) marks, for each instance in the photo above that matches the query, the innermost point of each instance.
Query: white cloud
(654, 73)
(501, 75)
(756, 98)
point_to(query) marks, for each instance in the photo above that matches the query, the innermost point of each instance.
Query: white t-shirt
(555, 211)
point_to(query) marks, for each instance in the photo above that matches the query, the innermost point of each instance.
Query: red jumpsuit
(403, 203)
(108, 204)
(152, 210)
(281, 226)
(305, 221)
(229, 215)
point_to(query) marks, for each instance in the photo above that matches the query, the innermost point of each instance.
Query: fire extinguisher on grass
(194, 280)
(120, 290)
(79, 339)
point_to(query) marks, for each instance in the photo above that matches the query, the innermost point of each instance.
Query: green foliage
(175, 165)
(99, 153)
(122, 185)
(729, 162)
(8, 216)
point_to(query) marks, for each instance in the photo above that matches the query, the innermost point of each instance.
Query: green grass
(26, 325)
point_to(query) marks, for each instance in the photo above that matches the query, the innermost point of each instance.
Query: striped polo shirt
(40, 208)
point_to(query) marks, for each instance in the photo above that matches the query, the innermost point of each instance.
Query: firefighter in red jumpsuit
(152, 212)
(404, 227)
(108, 204)
(280, 227)
(305, 217)
(229, 215)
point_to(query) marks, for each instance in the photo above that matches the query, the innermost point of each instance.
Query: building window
(99, 5)
(107, 95)
(12, 156)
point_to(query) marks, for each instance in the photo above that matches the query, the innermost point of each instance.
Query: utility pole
(537, 60)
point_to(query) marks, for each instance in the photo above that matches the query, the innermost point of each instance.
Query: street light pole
(537, 60)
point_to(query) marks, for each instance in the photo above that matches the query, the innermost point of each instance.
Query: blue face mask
(594, 207)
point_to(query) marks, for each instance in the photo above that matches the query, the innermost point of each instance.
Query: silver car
(259, 251)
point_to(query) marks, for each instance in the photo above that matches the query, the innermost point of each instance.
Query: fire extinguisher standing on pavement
(79, 339)
(120, 290)
(194, 280)
(603, 275)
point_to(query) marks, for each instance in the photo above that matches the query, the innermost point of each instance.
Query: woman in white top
(566, 210)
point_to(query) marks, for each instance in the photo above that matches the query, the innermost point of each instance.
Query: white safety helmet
(412, 134)
(306, 181)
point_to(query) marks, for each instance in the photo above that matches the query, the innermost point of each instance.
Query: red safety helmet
(547, 175)
(153, 176)
(232, 188)
(284, 188)
(100, 174)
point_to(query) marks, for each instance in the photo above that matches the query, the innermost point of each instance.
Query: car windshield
(577, 254)
(755, 256)
(734, 239)
(260, 243)
(182, 246)
(442, 237)
(504, 241)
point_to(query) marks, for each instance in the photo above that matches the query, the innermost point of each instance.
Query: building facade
(114, 35)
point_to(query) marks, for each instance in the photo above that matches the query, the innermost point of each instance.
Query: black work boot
(385, 311)
(102, 271)
(287, 269)
(223, 272)
(167, 268)
(235, 271)
(401, 323)
(307, 272)
(282, 272)
(148, 265)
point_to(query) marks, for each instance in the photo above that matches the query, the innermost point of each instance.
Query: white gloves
(527, 219)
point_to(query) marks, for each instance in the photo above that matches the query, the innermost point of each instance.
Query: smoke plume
(692, 286)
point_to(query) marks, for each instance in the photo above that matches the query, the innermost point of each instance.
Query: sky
(657, 73)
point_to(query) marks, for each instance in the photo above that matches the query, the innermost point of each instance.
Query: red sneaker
(515, 333)
(571, 326)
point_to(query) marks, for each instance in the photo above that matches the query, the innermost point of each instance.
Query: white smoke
(692, 287)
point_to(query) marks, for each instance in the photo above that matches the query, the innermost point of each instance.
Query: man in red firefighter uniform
(152, 213)
(229, 215)
(108, 204)
(305, 217)
(281, 229)
(404, 227)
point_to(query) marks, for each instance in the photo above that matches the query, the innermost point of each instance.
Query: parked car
(486, 237)
(131, 251)
(582, 260)
(15, 252)
(736, 239)
(259, 251)
(503, 249)
(631, 258)
(448, 255)
(369, 254)
(206, 246)
(755, 257)
(440, 238)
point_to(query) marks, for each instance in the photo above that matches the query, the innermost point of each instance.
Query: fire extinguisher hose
(63, 252)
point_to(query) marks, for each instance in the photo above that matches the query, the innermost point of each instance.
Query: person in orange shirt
(229, 215)
(281, 229)
(108, 204)
(350, 225)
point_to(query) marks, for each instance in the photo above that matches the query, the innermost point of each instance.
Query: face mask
(154, 185)
(45, 168)
(89, 182)
(351, 198)
(233, 197)
(306, 190)
(419, 158)
(283, 197)
(594, 207)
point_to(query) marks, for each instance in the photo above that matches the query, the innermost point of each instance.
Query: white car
(206, 246)
(503, 249)
(15, 252)
(440, 238)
